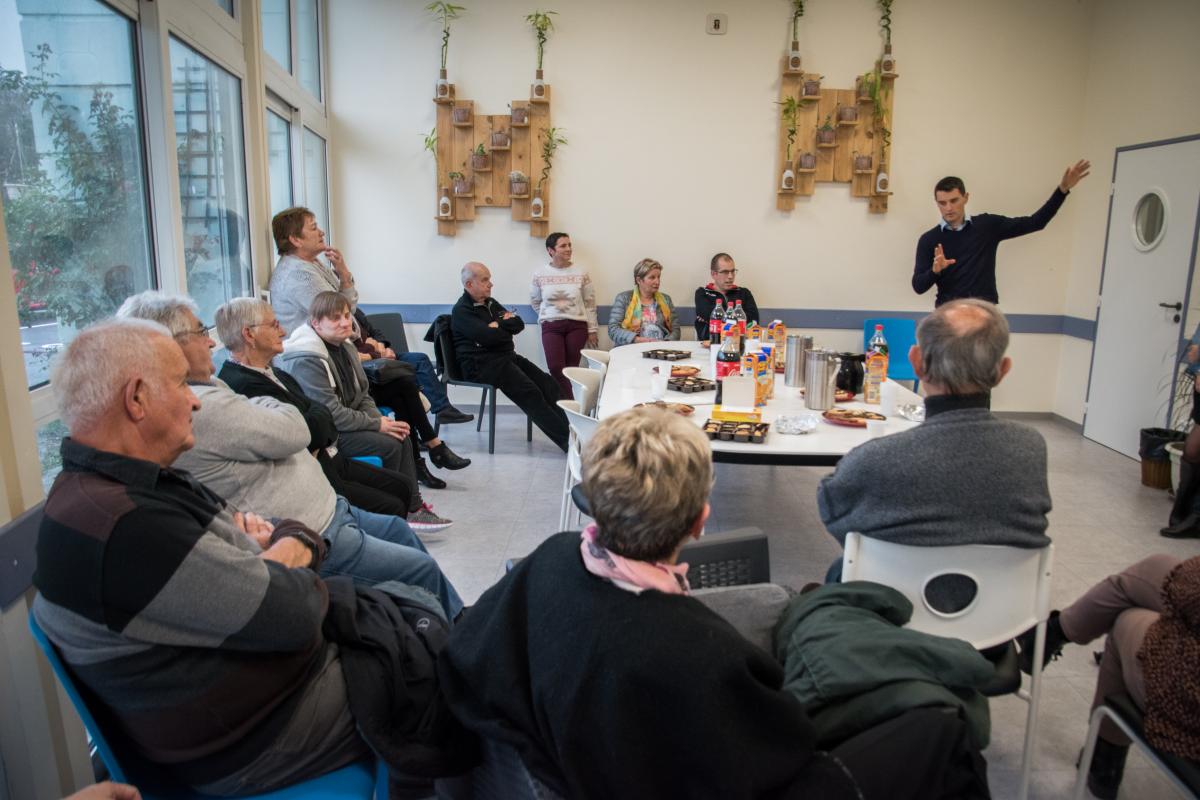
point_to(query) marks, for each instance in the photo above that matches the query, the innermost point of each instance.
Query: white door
(1152, 225)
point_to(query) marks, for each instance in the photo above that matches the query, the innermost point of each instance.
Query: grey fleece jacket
(306, 358)
(253, 452)
(962, 477)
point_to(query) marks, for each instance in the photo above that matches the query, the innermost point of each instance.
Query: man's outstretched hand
(1074, 174)
(940, 262)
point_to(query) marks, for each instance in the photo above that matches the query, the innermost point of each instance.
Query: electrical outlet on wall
(717, 24)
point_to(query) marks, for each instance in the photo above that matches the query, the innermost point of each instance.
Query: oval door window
(1149, 220)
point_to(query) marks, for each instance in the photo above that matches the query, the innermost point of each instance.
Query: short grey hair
(468, 272)
(646, 474)
(962, 346)
(165, 309)
(89, 376)
(235, 315)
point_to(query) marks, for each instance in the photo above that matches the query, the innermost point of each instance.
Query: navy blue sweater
(974, 249)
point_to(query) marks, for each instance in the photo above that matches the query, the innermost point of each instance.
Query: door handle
(1176, 306)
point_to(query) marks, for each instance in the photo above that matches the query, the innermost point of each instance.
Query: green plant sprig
(788, 112)
(797, 13)
(431, 140)
(552, 139)
(444, 12)
(542, 25)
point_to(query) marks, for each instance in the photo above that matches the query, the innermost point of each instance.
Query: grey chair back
(391, 325)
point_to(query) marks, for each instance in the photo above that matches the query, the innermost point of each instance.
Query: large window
(308, 44)
(71, 169)
(316, 189)
(279, 161)
(277, 31)
(212, 178)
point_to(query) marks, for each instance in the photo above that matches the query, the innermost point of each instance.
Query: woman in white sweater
(564, 299)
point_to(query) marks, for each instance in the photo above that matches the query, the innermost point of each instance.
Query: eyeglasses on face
(272, 324)
(727, 272)
(201, 331)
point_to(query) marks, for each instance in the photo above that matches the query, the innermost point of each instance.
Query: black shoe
(445, 458)
(1185, 496)
(1107, 769)
(452, 416)
(1055, 639)
(1186, 528)
(427, 478)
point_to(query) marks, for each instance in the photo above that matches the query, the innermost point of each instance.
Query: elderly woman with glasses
(249, 330)
(643, 314)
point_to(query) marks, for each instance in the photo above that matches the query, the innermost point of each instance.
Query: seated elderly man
(591, 660)
(207, 648)
(321, 359)
(253, 336)
(483, 341)
(254, 452)
(961, 477)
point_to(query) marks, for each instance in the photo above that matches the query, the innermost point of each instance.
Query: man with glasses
(724, 288)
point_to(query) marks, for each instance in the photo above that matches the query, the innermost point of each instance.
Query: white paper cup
(887, 398)
(876, 428)
(658, 384)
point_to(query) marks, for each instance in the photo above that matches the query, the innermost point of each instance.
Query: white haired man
(205, 646)
(961, 477)
(254, 452)
(483, 341)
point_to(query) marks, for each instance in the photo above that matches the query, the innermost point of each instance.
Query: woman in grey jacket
(643, 314)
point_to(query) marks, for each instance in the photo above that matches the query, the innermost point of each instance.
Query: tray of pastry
(691, 384)
(667, 355)
(750, 432)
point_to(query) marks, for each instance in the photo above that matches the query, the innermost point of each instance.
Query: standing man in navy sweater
(959, 253)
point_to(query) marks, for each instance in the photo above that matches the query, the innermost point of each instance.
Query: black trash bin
(1156, 462)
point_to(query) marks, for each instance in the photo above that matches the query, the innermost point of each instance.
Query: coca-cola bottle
(739, 316)
(715, 323)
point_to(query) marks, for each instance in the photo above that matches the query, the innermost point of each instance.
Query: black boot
(445, 458)
(1055, 639)
(1181, 512)
(1108, 767)
(427, 478)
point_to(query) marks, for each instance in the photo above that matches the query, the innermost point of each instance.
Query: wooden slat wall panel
(444, 134)
(501, 159)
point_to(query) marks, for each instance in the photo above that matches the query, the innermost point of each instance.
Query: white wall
(1143, 85)
(672, 148)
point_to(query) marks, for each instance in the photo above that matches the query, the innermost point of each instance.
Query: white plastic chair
(596, 359)
(1012, 596)
(585, 385)
(582, 428)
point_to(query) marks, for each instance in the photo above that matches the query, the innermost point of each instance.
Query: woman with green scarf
(643, 314)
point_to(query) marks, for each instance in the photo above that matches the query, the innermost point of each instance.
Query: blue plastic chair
(359, 781)
(374, 461)
(901, 334)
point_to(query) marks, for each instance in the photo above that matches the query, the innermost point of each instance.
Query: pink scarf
(633, 576)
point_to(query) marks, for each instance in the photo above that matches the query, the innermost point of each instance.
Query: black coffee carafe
(850, 374)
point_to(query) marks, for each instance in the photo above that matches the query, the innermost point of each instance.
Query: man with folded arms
(253, 452)
(483, 341)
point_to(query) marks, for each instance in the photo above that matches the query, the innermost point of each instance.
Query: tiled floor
(1103, 519)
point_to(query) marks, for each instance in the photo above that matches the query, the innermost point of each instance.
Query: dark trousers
(532, 390)
(368, 487)
(397, 457)
(563, 340)
(400, 395)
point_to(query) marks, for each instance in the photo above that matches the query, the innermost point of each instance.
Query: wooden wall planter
(511, 146)
(833, 161)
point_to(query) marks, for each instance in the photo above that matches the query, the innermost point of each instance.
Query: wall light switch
(717, 24)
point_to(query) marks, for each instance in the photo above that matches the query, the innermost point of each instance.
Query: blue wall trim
(819, 318)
